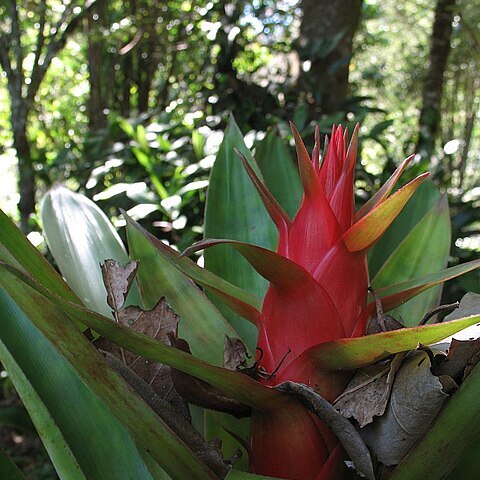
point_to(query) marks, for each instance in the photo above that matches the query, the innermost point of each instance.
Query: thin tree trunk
(26, 173)
(429, 123)
(97, 102)
(326, 41)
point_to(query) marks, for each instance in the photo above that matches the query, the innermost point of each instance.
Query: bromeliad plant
(308, 311)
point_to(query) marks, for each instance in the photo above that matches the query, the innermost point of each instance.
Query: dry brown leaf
(460, 354)
(367, 394)
(416, 399)
(159, 323)
(117, 280)
(234, 353)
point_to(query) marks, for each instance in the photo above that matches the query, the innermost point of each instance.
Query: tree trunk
(26, 173)
(97, 101)
(326, 41)
(429, 124)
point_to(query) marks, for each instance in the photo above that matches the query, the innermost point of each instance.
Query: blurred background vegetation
(126, 101)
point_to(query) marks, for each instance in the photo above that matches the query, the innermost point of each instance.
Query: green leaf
(235, 384)
(455, 433)
(244, 303)
(201, 324)
(16, 250)
(396, 294)
(366, 231)
(81, 237)
(8, 469)
(113, 394)
(80, 444)
(422, 251)
(198, 143)
(353, 353)
(279, 172)
(423, 200)
(234, 210)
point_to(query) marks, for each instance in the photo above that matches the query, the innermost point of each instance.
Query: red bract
(317, 296)
(318, 292)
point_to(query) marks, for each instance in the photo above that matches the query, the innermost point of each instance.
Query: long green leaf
(16, 250)
(422, 201)
(279, 172)
(399, 293)
(202, 324)
(423, 251)
(239, 386)
(453, 434)
(234, 210)
(149, 430)
(81, 436)
(81, 237)
(353, 353)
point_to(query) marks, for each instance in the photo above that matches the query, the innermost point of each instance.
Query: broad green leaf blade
(424, 250)
(454, 433)
(16, 250)
(353, 353)
(279, 172)
(149, 431)
(244, 303)
(77, 430)
(8, 469)
(422, 201)
(235, 384)
(80, 238)
(234, 210)
(201, 324)
(396, 294)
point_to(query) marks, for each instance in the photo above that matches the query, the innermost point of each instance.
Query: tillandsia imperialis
(318, 292)
(311, 330)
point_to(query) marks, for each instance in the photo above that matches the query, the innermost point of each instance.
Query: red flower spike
(327, 242)
(318, 293)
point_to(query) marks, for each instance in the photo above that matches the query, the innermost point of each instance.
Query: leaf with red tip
(297, 311)
(353, 353)
(308, 175)
(235, 384)
(395, 295)
(279, 171)
(423, 250)
(384, 190)
(242, 302)
(274, 209)
(368, 229)
(233, 209)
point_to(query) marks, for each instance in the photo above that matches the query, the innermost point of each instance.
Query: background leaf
(423, 250)
(234, 210)
(279, 172)
(81, 237)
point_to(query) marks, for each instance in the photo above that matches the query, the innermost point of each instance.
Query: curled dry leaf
(416, 399)
(347, 434)
(462, 356)
(158, 323)
(234, 353)
(367, 394)
(117, 280)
